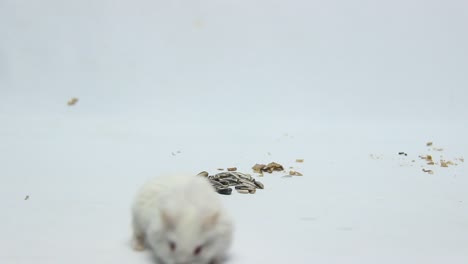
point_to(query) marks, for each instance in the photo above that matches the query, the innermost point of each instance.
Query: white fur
(184, 209)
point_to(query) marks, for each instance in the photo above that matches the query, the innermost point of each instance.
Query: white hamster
(181, 219)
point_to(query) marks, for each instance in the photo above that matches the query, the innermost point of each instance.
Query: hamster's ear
(167, 220)
(211, 220)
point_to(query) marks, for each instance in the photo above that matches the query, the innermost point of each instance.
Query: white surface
(226, 82)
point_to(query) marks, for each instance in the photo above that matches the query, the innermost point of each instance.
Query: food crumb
(220, 169)
(258, 167)
(427, 157)
(429, 144)
(428, 171)
(72, 101)
(232, 169)
(294, 173)
(299, 160)
(26, 198)
(272, 166)
(445, 164)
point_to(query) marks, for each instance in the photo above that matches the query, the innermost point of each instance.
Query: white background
(226, 83)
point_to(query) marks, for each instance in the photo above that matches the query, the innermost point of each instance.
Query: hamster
(180, 218)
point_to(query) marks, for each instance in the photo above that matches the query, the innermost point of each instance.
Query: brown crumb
(232, 169)
(445, 164)
(72, 101)
(220, 169)
(429, 144)
(294, 173)
(271, 167)
(428, 171)
(427, 157)
(430, 163)
(461, 159)
(258, 168)
(299, 160)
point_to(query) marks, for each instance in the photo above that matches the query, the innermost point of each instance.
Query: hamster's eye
(172, 245)
(197, 250)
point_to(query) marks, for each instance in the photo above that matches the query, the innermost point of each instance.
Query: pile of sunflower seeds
(222, 182)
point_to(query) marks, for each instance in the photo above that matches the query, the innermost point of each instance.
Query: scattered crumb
(271, 167)
(438, 149)
(429, 144)
(220, 169)
(26, 198)
(461, 159)
(430, 163)
(232, 169)
(72, 101)
(258, 167)
(443, 163)
(402, 153)
(427, 157)
(269, 154)
(294, 173)
(291, 167)
(179, 151)
(299, 160)
(173, 154)
(428, 171)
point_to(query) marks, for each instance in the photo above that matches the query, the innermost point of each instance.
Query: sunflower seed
(259, 184)
(225, 191)
(222, 182)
